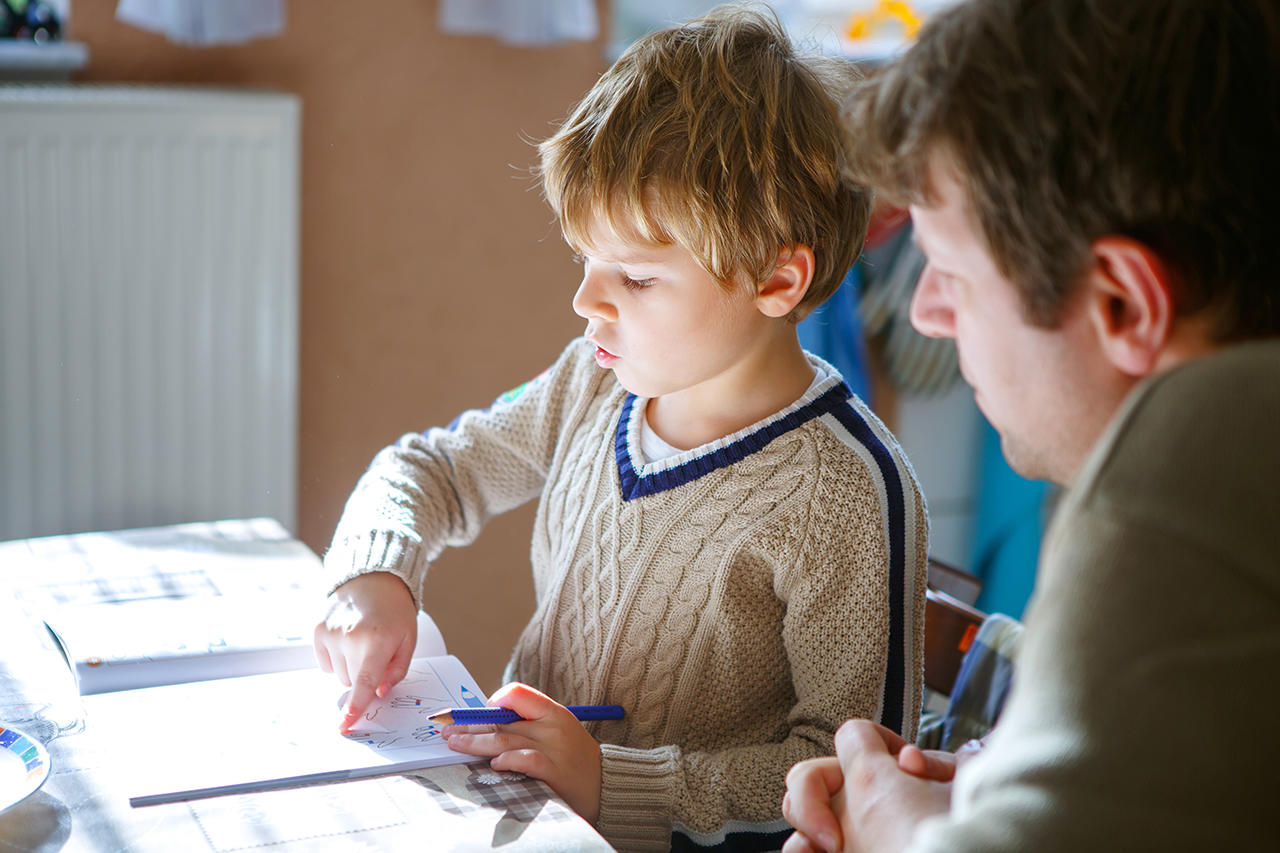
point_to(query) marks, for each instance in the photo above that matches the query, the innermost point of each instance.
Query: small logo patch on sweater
(515, 392)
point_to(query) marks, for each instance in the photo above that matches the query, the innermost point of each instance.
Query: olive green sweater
(1150, 667)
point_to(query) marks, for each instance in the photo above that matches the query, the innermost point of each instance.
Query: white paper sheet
(278, 730)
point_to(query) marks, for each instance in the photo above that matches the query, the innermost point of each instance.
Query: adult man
(1093, 185)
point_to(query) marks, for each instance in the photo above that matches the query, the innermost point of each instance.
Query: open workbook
(192, 645)
(274, 730)
(161, 605)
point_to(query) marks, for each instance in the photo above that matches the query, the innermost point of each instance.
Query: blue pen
(498, 716)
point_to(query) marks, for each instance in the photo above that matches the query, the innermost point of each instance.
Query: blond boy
(728, 543)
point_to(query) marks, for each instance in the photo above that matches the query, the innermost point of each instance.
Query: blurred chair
(954, 581)
(950, 626)
(950, 622)
(968, 658)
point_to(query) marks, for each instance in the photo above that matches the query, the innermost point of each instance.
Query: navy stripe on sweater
(893, 713)
(636, 486)
(734, 842)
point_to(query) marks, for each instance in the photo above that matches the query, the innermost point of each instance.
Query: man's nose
(931, 310)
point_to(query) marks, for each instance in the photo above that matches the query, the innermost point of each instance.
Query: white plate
(24, 765)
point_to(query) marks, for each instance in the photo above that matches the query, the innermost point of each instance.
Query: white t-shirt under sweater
(739, 600)
(654, 449)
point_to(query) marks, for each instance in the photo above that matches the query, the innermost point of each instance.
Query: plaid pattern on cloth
(515, 795)
(980, 689)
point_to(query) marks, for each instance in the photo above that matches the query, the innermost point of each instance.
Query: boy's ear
(1131, 304)
(782, 291)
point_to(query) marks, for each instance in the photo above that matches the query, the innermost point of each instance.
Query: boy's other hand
(550, 744)
(367, 638)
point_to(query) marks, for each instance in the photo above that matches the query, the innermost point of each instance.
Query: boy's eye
(579, 258)
(636, 283)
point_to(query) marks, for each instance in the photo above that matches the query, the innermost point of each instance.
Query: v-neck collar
(640, 479)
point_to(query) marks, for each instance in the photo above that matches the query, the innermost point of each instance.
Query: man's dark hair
(1070, 120)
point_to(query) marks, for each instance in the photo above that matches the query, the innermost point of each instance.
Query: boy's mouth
(604, 358)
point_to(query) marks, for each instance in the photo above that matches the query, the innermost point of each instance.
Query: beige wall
(432, 276)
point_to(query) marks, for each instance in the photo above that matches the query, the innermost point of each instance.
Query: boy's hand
(367, 638)
(550, 744)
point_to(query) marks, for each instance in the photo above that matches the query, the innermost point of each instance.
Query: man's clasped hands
(871, 794)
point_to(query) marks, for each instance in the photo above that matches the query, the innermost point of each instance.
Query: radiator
(148, 307)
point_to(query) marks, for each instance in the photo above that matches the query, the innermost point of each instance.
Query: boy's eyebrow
(625, 258)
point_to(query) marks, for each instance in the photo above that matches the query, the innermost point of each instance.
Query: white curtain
(528, 23)
(205, 22)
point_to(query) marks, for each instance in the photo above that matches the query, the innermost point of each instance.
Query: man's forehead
(945, 219)
(944, 182)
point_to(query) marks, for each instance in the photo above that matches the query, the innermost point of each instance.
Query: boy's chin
(638, 387)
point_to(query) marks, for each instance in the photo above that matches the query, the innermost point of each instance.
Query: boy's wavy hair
(719, 137)
(1070, 120)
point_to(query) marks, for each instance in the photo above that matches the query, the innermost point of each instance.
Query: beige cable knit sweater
(740, 600)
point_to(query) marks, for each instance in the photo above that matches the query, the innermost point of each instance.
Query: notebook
(178, 742)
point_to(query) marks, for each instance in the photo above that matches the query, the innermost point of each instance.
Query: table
(462, 807)
(81, 806)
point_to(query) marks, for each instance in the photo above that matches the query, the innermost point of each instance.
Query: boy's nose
(931, 310)
(590, 302)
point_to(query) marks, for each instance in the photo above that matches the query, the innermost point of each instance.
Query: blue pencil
(497, 716)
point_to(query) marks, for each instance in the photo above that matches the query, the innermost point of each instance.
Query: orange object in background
(864, 26)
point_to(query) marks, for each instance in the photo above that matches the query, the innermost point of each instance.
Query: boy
(727, 544)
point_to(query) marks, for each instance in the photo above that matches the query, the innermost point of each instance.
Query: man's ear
(782, 291)
(1131, 304)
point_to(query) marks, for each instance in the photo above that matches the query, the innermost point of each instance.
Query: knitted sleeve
(438, 488)
(830, 567)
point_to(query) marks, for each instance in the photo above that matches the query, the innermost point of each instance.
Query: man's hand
(811, 803)
(872, 802)
(807, 806)
(936, 764)
(550, 744)
(367, 638)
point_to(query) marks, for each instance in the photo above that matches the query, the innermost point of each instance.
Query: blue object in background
(833, 332)
(1010, 517)
(1008, 530)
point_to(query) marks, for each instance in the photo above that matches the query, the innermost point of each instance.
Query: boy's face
(661, 322)
(1048, 392)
